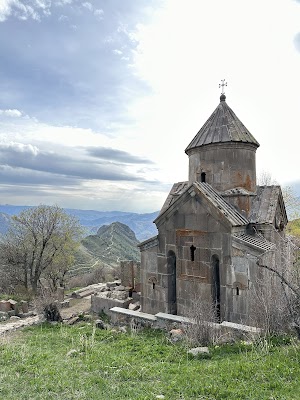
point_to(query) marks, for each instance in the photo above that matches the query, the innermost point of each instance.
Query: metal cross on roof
(222, 85)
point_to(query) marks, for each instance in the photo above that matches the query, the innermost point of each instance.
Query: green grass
(39, 364)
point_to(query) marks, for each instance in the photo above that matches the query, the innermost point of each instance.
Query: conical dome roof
(222, 126)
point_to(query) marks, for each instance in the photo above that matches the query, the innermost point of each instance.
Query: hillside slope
(111, 244)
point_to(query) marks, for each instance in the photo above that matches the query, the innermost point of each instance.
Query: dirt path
(81, 306)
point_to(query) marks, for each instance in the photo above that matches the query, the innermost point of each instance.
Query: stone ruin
(11, 308)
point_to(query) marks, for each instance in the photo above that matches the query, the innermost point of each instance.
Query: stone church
(216, 229)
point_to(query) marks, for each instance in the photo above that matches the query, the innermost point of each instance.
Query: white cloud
(28, 149)
(117, 51)
(183, 61)
(63, 18)
(87, 5)
(28, 9)
(99, 13)
(5, 9)
(11, 113)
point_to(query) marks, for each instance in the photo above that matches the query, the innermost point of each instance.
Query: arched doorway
(216, 287)
(171, 268)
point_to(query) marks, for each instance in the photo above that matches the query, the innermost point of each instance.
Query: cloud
(117, 51)
(99, 13)
(87, 5)
(11, 113)
(19, 148)
(10, 176)
(116, 155)
(18, 155)
(24, 10)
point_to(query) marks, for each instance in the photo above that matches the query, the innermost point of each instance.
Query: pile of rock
(112, 294)
(11, 308)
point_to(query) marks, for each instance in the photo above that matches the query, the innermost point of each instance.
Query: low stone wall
(169, 321)
(124, 316)
(105, 304)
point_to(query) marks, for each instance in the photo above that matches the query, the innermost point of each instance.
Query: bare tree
(286, 269)
(41, 241)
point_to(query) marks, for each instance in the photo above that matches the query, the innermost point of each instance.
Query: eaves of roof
(256, 241)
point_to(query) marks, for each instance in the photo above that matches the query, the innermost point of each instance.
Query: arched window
(171, 271)
(216, 286)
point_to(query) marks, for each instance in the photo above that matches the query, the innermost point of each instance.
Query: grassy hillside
(79, 362)
(293, 227)
(113, 243)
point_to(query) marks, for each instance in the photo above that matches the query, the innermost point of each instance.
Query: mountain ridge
(140, 223)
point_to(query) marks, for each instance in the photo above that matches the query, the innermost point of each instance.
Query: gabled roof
(222, 126)
(181, 188)
(265, 203)
(234, 217)
(177, 189)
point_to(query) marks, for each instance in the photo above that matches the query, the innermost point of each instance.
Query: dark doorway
(216, 287)
(171, 269)
(203, 177)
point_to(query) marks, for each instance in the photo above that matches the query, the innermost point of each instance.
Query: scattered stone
(3, 316)
(65, 303)
(119, 295)
(13, 303)
(122, 329)
(134, 306)
(5, 306)
(160, 396)
(73, 320)
(14, 318)
(26, 315)
(72, 352)
(87, 317)
(120, 288)
(84, 293)
(112, 284)
(24, 306)
(199, 351)
(99, 324)
(11, 313)
(176, 335)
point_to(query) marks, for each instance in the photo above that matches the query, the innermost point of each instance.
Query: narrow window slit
(193, 249)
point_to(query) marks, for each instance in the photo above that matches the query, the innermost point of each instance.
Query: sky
(99, 99)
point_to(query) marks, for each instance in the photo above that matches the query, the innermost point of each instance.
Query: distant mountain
(4, 222)
(112, 244)
(141, 224)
